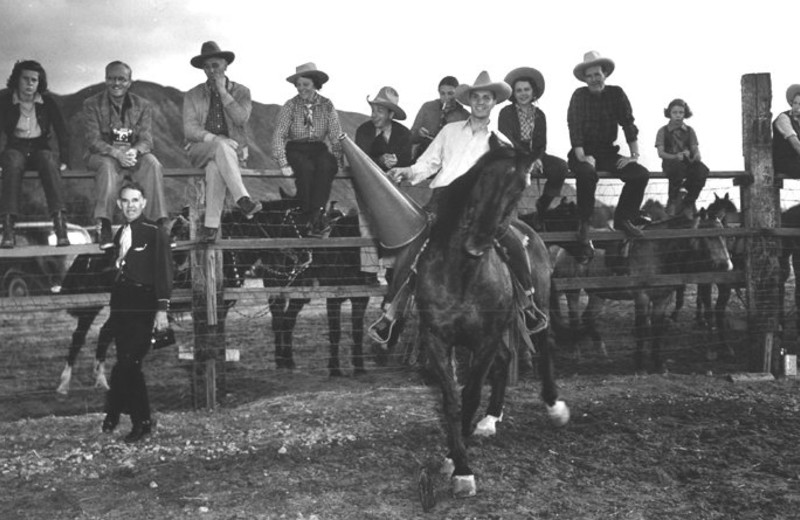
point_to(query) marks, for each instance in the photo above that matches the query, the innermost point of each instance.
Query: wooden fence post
(206, 265)
(761, 209)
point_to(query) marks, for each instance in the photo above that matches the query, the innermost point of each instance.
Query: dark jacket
(97, 113)
(149, 259)
(49, 117)
(508, 124)
(399, 143)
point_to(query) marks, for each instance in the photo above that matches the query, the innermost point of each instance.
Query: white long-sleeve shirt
(452, 153)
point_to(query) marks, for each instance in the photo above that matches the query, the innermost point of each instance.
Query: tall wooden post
(761, 209)
(207, 289)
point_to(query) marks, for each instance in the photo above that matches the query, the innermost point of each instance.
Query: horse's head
(724, 209)
(713, 249)
(499, 178)
(655, 210)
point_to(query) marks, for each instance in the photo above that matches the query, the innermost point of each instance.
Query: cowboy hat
(388, 97)
(210, 49)
(591, 59)
(527, 72)
(500, 89)
(791, 92)
(308, 70)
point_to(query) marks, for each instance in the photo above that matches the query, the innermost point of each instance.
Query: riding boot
(535, 320)
(140, 430)
(586, 252)
(381, 330)
(60, 229)
(542, 205)
(9, 240)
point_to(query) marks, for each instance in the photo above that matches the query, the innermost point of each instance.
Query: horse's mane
(455, 198)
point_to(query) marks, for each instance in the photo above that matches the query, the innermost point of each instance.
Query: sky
(695, 50)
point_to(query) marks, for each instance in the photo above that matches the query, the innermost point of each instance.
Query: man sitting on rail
(119, 137)
(215, 115)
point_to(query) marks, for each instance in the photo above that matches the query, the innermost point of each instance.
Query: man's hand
(287, 171)
(389, 160)
(161, 320)
(589, 159)
(399, 174)
(219, 82)
(232, 142)
(126, 159)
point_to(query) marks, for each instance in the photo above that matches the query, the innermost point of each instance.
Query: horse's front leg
(488, 353)
(590, 316)
(290, 322)
(85, 320)
(573, 311)
(334, 311)
(659, 326)
(439, 360)
(277, 307)
(358, 309)
(723, 298)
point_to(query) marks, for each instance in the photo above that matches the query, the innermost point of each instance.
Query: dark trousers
(132, 317)
(314, 169)
(555, 171)
(22, 154)
(633, 175)
(687, 174)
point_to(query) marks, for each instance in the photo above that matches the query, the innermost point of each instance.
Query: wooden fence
(760, 207)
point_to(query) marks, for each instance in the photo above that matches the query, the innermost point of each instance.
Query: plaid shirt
(593, 119)
(301, 121)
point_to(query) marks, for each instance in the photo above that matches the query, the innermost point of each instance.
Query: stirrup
(542, 321)
(382, 334)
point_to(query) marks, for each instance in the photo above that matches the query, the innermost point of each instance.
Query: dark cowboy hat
(308, 70)
(791, 92)
(211, 50)
(590, 59)
(389, 98)
(526, 72)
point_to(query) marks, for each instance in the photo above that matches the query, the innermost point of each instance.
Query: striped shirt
(301, 121)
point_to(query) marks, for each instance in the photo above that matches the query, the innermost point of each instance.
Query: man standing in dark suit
(139, 299)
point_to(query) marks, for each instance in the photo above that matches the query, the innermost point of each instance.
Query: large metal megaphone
(395, 218)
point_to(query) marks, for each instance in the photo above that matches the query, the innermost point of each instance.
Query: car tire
(17, 286)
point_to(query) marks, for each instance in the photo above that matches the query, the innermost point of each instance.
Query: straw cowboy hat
(308, 70)
(500, 89)
(791, 92)
(590, 59)
(388, 97)
(210, 49)
(526, 72)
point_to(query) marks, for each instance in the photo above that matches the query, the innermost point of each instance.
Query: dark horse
(646, 259)
(790, 255)
(465, 298)
(303, 267)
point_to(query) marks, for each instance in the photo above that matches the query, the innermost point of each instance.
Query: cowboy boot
(9, 240)
(140, 430)
(60, 229)
(542, 205)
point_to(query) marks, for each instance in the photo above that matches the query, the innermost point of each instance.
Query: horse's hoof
(558, 413)
(487, 426)
(448, 466)
(66, 376)
(464, 486)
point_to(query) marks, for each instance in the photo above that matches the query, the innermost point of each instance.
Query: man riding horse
(452, 153)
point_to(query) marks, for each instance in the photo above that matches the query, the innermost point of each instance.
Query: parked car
(36, 275)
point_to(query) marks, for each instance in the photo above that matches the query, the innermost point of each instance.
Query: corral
(302, 445)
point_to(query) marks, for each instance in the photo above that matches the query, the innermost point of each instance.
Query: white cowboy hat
(526, 72)
(389, 98)
(791, 92)
(590, 59)
(308, 70)
(500, 89)
(210, 49)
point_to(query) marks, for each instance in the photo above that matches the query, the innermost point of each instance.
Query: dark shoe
(140, 431)
(110, 423)
(208, 235)
(248, 207)
(9, 240)
(627, 227)
(60, 229)
(106, 239)
(381, 330)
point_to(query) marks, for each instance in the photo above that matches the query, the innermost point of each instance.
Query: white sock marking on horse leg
(448, 466)
(558, 413)
(66, 375)
(464, 486)
(487, 426)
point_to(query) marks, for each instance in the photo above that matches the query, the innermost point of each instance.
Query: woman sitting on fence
(677, 146)
(304, 123)
(28, 115)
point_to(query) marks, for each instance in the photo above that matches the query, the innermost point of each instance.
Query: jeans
(691, 175)
(20, 155)
(314, 169)
(634, 176)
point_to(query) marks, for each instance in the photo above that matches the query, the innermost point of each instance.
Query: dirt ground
(302, 445)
